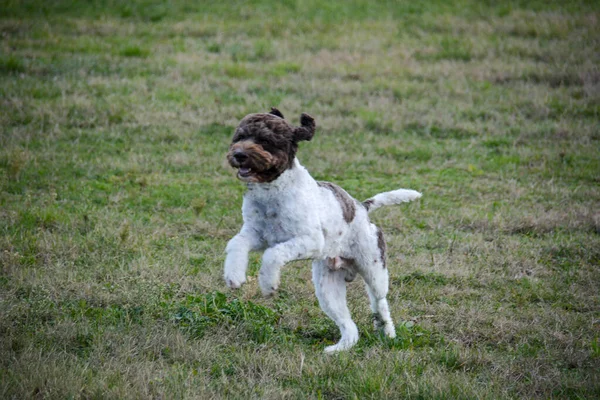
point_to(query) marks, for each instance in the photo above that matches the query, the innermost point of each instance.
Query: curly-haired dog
(291, 216)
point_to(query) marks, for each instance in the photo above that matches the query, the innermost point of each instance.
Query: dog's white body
(295, 217)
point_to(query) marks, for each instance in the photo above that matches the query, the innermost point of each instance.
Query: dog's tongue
(244, 171)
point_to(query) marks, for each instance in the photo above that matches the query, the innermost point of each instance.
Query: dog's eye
(239, 138)
(266, 144)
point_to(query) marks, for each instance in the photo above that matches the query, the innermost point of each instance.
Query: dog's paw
(234, 282)
(389, 330)
(268, 289)
(335, 349)
(268, 276)
(349, 338)
(343, 345)
(267, 284)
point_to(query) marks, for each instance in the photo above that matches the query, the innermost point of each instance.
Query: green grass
(116, 201)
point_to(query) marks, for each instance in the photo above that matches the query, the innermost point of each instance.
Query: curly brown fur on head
(264, 145)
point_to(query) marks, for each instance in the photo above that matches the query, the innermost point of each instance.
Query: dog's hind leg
(330, 287)
(373, 270)
(381, 312)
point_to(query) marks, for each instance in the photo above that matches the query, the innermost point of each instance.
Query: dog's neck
(289, 178)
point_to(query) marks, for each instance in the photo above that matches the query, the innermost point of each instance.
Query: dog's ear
(307, 129)
(276, 112)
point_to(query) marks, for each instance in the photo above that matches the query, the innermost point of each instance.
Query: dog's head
(264, 145)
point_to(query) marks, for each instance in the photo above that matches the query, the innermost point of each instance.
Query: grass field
(116, 201)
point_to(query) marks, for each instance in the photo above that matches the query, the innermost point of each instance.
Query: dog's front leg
(236, 261)
(299, 248)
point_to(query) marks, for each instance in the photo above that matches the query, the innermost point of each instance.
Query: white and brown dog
(291, 217)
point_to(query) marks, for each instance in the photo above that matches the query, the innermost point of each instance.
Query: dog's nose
(240, 156)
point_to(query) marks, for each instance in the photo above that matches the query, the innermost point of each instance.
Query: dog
(291, 216)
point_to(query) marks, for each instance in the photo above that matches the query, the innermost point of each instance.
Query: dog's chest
(278, 219)
(269, 212)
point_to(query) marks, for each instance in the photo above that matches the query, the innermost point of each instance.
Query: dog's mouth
(245, 172)
(253, 174)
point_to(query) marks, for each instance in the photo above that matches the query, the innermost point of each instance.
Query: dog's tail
(391, 198)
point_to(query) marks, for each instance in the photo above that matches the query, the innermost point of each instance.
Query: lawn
(116, 200)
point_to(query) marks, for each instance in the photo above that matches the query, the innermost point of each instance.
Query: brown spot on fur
(346, 201)
(368, 203)
(381, 245)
